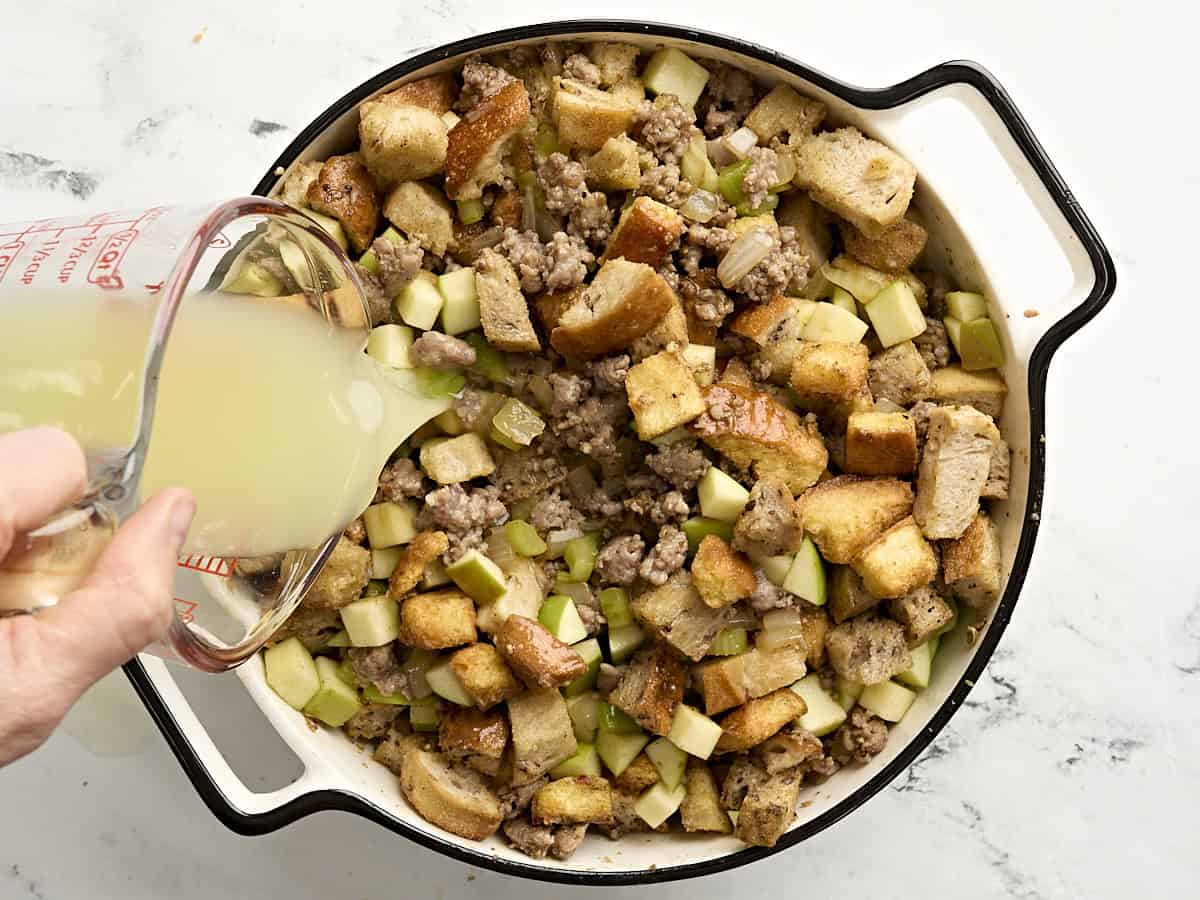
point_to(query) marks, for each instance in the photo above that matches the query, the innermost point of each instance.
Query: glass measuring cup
(143, 263)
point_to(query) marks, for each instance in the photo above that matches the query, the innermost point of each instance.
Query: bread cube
(972, 563)
(542, 735)
(624, 301)
(614, 167)
(784, 110)
(343, 189)
(812, 224)
(663, 395)
(881, 443)
(758, 719)
(996, 486)
(895, 250)
(536, 656)
(701, 808)
(791, 747)
(814, 622)
(825, 373)
(898, 561)
(638, 775)
(922, 612)
(502, 307)
(899, 374)
(423, 549)
(983, 390)
(846, 596)
(464, 734)
(868, 649)
(476, 145)
(585, 116)
(844, 514)
(616, 62)
(731, 681)
(437, 620)
(342, 579)
(651, 688)
(421, 212)
(675, 613)
(768, 810)
(646, 232)
(401, 142)
(450, 797)
(484, 675)
(721, 575)
(573, 801)
(775, 326)
(954, 468)
(672, 332)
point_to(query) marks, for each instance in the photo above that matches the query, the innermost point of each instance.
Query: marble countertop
(1074, 769)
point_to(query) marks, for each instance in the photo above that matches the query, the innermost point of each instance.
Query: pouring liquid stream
(276, 421)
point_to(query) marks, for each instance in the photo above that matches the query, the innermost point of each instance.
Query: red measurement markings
(8, 253)
(185, 608)
(103, 272)
(209, 565)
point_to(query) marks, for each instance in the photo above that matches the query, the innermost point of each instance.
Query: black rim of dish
(955, 72)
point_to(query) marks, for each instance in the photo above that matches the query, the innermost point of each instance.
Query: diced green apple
(623, 640)
(776, 568)
(383, 562)
(669, 760)
(389, 344)
(670, 71)
(895, 314)
(584, 711)
(341, 639)
(560, 617)
(693, 732)
(659, 803)
(291, 673)
(721, 497)
(446, 685)
(825, 715)
(844, 299)
(331, 226)
(698, 528)
(617, 751)
(460, 303)
(979, 346)
(806, 577)
(848, 692)
(589, 650)
(478, 577)
(435, 575)
(419, 302)
(372, 694)
(450, 422)
(335, 702)
(372, 621)
(830, 323)
(296, 262)
(965, 305)
(254, 279)
(922, 665)
(614, 603)
(390, 524)
(954, 332)
(888, 700)
(424, 716)
(584, 761)
(616, 721)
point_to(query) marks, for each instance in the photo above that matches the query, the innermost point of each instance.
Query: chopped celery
(768, 205)
(616, 721)
(559, 616)
(518, 422)
(436, 384)
(503, 440)
(697, 168)
(335, 702)
(623, 640)
(729, 181)
(671, 71)
(546, 140)
(373, 694)
(341, 639)
(524, 538)
(584, 761)
(580, 555)
(584, 711)
(372, 621)
(614, 603)
(729, 642)
(291, 672)
(375, 587)
(469, 211)
(589, 650)
(424, 716)
(489, 362)
(700, 527)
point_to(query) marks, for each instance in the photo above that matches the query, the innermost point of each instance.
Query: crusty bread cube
(676, 614)
(464, 733)
(536, 656)
(881, 443)
(421, 211)
(437, 620)
(954, 468)
(893, 251)
(758, 719)
(343, 577)
(736, 372)
(791, 747)
(847, 596)
(844, 514)
(983, 390)
(868, 649)
(898, 561)
(784, 110)
(754, 430)
(294, 189)
(899, 374)
(502, 307)
(638, 775)
(401, 142)
(616, 62)
(832, 372)
(549, 306)
(614, 167)
(647, 231)
(662, 395)
(775, 326)
(701, 808)
(721, 575)
(391, 750)
(573, 801)
(731, 681)
(585, 116)
(996, 486)
(344, 189)
(630, 91)
(623, 302)
(922, 612)
(672, 332)
(416, 555)
(812, 224)
(436, 93)
(972, 562)
(860, 179)
(770, 524)
(814, 622)
(476, 145)
(484, 674)
(450, 797)
(768, 810)
(651, 688)
(542, 735)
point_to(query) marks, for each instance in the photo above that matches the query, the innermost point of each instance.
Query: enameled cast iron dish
(1003, 222)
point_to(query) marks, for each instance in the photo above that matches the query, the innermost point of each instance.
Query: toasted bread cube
(844, 514)
(829, 372)
(638, 775)
(437, 620)
(758, 719)
(954, 468)
(401, 142)
(701, 808)
(755, 430)
(923, 613)
(450, 797)
(616, 62)
(791, 747)
(861, 180)
(542, 735)
(295, 185)
(573, 801)
(422, 212)
(770, 524)
(549, 307)
(677, 615)
(502, 307)
(868, 649)
(899, 374)
(476, 145)
(972, 563)
(623, 302)
(814, 622)
(614, 167)
(646, 232)
(435, 93)
(585, 116)
(629, 91)
(768, 810)
(343, 189)
(651, 688)
(484, 675)
(390, 752)
(672, 332)
(662, 395)
(893, 251)
(898, 561)
(343, 578)
(775, 326)
(812, 224)
(423, 549)
(467, 733)
(847, 596)
(729, 682)
(983, 390)
(996, 486)
(721, 575)
(536, 656)
(784, 110)
(736, 372)
(881, 443)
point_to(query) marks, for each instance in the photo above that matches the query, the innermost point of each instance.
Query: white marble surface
(1075, 769)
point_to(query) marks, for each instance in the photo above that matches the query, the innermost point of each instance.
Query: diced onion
(556, 541)
(743, 255)
(580, 593)
(741, 142)
(414, 675)
(718, 154)
(786, 168)
(741, 617)
(499, 549)
(780, 637)
(700, 206)
(779, 618)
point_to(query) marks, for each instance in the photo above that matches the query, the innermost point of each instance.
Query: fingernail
(180, 519)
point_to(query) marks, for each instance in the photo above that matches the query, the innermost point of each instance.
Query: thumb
(125, 603)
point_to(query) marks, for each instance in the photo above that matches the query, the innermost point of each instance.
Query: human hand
(48, 660)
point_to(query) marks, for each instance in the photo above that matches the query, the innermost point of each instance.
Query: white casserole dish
(1001, 220)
